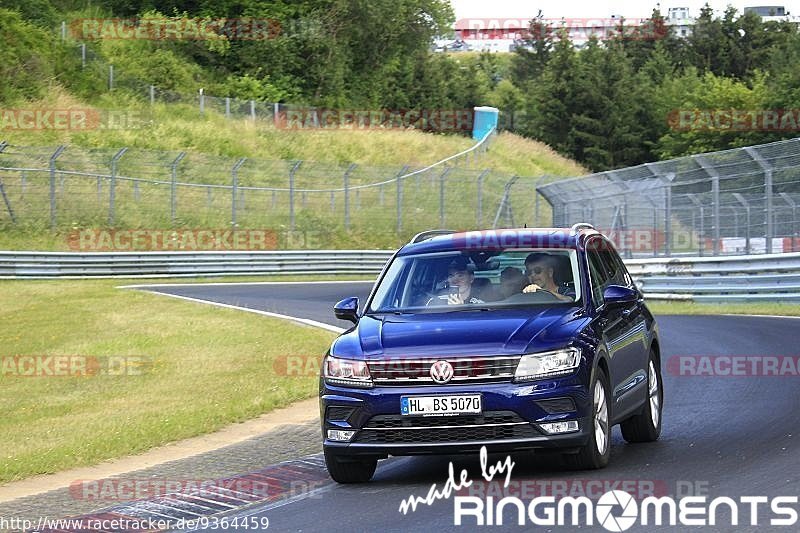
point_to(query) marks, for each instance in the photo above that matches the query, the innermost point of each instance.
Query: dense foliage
(633, 97)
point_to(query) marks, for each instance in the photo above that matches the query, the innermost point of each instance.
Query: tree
(551, 101)
(533, 52)
(707, 43)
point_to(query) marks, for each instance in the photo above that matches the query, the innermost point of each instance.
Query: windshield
(452, 281)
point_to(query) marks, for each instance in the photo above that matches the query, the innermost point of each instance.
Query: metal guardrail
(52, 265)
(702, 279)
(774, 277)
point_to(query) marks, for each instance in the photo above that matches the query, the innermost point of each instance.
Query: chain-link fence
(740, 201)
(69, 187)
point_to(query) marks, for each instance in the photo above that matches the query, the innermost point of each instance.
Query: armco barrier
(773, 277)
(45, 265)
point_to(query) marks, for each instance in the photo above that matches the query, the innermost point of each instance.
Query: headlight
(350, 372)
(547, 364)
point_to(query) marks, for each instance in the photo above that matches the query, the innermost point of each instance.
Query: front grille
(404, 372)
(492, 425)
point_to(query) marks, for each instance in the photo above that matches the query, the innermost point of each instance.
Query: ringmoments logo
(615, 510)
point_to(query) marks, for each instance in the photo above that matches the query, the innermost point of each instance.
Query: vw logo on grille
(441, 372)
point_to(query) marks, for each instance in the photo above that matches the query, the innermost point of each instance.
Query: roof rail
(425, 235)
(579, 226)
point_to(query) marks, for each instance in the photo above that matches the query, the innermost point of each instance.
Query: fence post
(152, 94)
(741, 199)
(8, 204)
(173, 186)
(3, 145)
(667, 179)
(112, 190)
(111, 77)
(83, 55)
(399, 179)
(441, 195)
(202, 102)
(253, 110)
(63, 30)
(347, 196)
(712, 171)
(227, 107)
(791, 203)
(480, 196)
(234, 187)
(767, 168)
(53, 158)
(536, 200)
(291, 194)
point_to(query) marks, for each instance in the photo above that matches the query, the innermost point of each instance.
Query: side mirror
(619, 295)
(347, 309)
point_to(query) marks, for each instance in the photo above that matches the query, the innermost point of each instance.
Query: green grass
(212, 367)
(750, 308)
(213, 145)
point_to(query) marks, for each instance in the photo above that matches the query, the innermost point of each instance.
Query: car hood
(494, 332)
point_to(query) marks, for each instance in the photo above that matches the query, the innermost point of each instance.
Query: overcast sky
(595, 8)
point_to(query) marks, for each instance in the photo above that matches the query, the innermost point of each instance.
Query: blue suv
(510, 339)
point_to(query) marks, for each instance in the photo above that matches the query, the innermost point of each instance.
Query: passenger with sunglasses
(540, 269)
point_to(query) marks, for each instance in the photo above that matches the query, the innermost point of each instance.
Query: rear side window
(599, 274)
(615, 268)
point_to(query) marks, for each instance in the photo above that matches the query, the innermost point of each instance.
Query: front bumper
(511, 419)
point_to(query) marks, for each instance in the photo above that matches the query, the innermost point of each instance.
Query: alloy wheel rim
(600, 418)
(655, 399)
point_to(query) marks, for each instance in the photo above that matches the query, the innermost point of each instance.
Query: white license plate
(440, 405)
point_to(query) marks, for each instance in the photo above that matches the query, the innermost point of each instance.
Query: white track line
(756, 316)
(304, 321)
(220, 284)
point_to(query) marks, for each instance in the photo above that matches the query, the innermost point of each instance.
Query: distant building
(505, 34)
(767, 11)
(773, 14)
(679, 19)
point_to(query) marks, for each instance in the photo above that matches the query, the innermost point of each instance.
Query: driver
(539, 267)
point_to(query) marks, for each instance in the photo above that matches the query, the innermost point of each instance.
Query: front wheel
(596, 452)
(646, 426)
(349, 470)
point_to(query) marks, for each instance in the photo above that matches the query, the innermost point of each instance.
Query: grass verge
(211, 367)
(751, 308)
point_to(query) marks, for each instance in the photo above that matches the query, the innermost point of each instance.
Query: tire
(349, 470)
(646, 426)
(596, 453)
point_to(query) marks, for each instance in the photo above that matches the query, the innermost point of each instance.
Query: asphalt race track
(722, 435)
